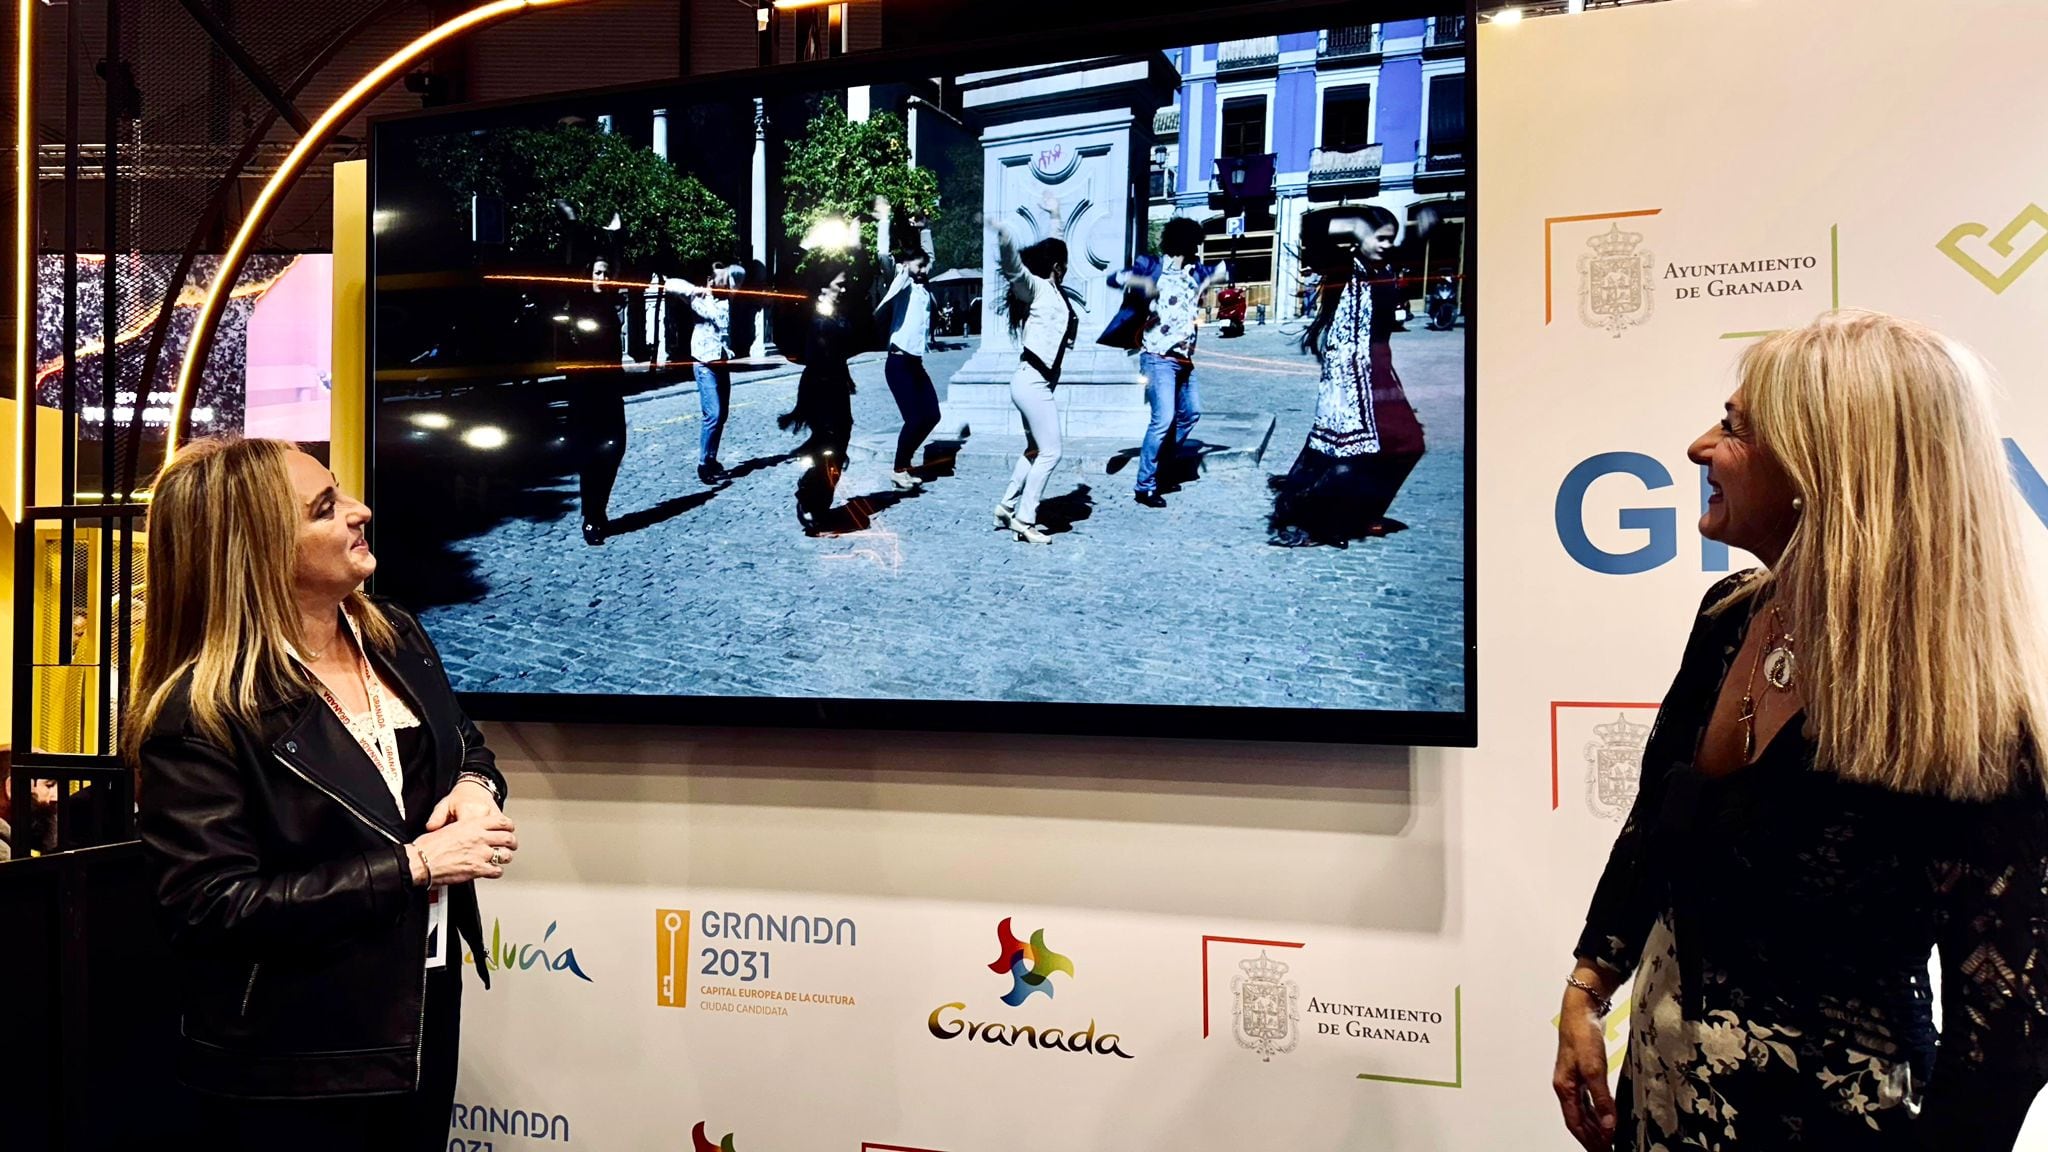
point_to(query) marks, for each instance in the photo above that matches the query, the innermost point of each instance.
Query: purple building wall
(1396, 98)
(1184, 149)
(1400, 107)
(1294, 118)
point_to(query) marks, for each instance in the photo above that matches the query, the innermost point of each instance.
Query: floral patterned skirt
(1733, 1080)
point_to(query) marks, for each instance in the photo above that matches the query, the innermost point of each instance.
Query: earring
(1798, 503)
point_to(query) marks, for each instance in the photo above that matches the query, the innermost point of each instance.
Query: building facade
(1264, 129)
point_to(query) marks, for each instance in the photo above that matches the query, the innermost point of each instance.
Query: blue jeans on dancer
(714, 398)
(1173, 392)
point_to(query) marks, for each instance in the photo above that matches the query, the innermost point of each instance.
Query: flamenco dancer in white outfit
(1043, 325)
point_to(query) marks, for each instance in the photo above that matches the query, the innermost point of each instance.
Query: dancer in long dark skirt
(824, 393)
(1366, 439)
(597, 397)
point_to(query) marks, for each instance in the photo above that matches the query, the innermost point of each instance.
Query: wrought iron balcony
(1445, 31)
(1240, 55)
(1166, 121)
(1356, 40)
(1327, 166)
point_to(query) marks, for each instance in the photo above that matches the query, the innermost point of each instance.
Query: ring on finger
(497, 861)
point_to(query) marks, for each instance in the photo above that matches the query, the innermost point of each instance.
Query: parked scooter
(1230, 309)
(1443, 304)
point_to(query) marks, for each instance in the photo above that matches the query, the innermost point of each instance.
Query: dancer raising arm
(1042, 324)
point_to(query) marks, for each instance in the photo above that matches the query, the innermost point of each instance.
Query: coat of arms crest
(1615, 281)
(1266, 1012)
(1614, 766)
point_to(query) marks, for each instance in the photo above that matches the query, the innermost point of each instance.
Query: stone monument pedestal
(1069, 144)
(1109, 402)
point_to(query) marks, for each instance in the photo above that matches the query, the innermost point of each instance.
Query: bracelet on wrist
(489, 785)
(1601, 1003)
(424, 866)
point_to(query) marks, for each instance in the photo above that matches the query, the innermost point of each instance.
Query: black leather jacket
(288, 896)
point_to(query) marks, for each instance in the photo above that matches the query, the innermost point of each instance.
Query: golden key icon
(671, 946)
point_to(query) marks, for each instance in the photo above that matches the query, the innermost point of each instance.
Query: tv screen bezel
(1457, 729)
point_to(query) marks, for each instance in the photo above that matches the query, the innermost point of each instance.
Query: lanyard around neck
(380, 743)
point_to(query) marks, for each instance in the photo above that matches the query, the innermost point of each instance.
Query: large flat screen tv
(1115, 383)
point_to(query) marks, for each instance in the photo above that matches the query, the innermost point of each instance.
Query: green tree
(663, 214)
(956, 236)
(839, 166)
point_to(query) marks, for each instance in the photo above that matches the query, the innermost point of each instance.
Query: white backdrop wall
(1422, 902)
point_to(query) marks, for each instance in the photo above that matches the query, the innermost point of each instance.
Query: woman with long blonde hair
(1845, 777)
(313, 806)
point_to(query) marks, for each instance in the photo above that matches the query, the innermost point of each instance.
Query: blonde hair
(1905, 579)
(223, 538)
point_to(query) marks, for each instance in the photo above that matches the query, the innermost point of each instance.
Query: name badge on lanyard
(437, 928)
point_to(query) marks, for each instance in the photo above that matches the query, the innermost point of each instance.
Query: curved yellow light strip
(24, 252)
(337, 114)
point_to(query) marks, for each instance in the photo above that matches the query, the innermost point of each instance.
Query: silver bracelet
(496, 796)
(1602, 1003)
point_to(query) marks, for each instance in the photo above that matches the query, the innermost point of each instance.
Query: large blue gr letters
(1660, 523)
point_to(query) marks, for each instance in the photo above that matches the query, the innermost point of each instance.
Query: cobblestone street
(718, 592)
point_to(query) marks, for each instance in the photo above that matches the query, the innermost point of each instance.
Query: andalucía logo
(508, 956)
(1030, 967)
(699, 1142)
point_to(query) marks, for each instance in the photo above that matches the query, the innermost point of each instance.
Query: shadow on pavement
(758, 464)
(458, 508)
(859, 511)
(666, 510)
(1184, 465)
(1059, 514)
(940, 459)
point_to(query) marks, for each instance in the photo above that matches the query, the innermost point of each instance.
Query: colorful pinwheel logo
(1030, 966)
(702, 1143)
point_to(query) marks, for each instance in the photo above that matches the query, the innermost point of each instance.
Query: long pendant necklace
(1780, 666)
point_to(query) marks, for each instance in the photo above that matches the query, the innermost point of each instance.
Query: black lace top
(1778, 923)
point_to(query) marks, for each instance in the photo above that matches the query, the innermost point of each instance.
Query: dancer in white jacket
(1043, 323)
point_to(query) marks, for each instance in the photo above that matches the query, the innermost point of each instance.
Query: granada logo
(1013, 1035)
(699, 1142)
(1030, 966)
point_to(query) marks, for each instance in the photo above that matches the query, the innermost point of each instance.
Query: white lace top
(363, 725)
